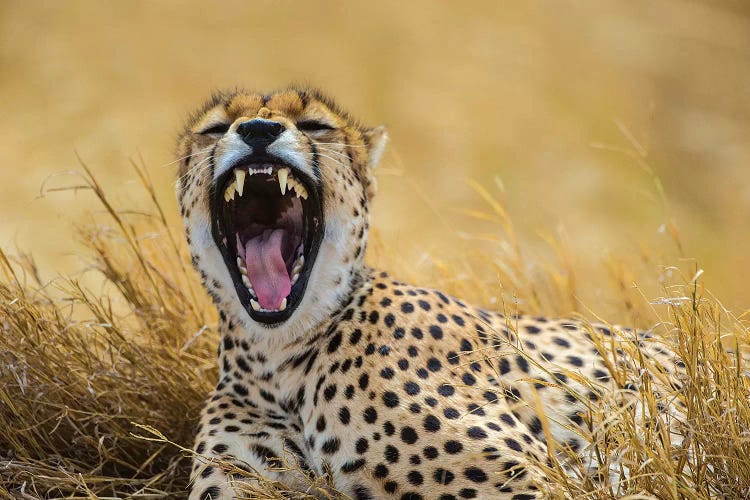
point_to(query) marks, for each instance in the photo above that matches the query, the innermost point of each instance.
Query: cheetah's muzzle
(268, 224)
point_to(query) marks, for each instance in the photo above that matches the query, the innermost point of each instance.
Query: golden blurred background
(579, 110)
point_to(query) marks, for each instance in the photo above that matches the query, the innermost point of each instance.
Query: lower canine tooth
(229, 192)
(254, 305)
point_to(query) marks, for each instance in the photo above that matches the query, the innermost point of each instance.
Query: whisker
(204, 150)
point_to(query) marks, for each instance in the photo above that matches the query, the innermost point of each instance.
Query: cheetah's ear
(376, 138)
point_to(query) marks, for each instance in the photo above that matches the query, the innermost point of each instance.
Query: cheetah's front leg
(249, 438)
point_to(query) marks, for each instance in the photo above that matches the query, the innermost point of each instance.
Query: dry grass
(100, 389)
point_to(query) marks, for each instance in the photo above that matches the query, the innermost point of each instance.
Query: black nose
(259, 133)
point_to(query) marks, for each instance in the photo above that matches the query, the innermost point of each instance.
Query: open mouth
(268, 223)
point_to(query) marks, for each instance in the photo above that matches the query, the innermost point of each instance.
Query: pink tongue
(266, 268)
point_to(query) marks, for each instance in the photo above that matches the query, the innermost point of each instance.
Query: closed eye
(220, 128)
(313, 126)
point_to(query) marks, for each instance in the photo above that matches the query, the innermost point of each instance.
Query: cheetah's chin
(268, 224)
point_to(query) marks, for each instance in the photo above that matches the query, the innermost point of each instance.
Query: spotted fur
(392, 390)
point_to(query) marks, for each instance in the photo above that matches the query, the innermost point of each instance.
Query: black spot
(355, 336)
(211, 493)
(330, 392)
(475, 432)
(522, 363)
(240, 389)
(504, 366)
(452, 357)
(424, 305)
(430, 452)
(353, 465)
(380, 471)
(362, 493)
(416, 332)
(388, 428)
(452, 447)
(408, 435)
(436, 332)
(331, 446)
(601, 375)
(475, 475)
(431, 423)
(320, 425)
(468, 379)
(561, 342)
(433, 364)
(207, 472)
(415, 478)
(387, 373)
(335, 342)
(370, 415)
(513, 444)
(451, 413)
(344, 415)
(575, 361)
(468, 493)
(390, 399)
(411, 388)
(410, 495)
(532, 329)
(364, 381)
(403, 364)
(362, 445)
(391, 454)
(407, 307)
(446, 390)
(389, 320)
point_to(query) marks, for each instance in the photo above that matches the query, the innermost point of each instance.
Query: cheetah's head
(274, 192)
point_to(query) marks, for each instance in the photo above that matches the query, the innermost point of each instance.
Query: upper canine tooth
(283, 173)
(239, 177)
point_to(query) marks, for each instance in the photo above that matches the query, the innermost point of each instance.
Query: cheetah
(389, 390)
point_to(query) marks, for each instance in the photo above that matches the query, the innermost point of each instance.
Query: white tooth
(239, 178)
(295, 278)
(229, 193)
(246, 281)
(301, 260)
(250, 171)
(301, 191)
(283, 305)
(254, 305)
(283, 173)
(239, 263)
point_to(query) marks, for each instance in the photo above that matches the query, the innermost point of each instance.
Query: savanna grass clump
(100, 390)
